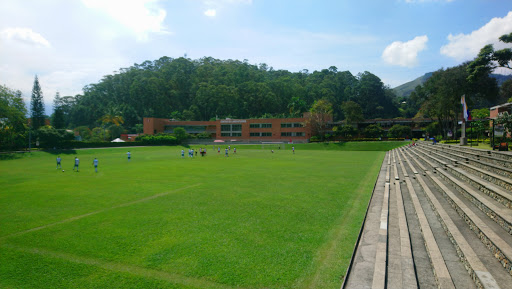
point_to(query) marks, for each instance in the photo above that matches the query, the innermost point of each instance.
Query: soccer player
(272, 151)
(293, 150)
(234, 150)
(227, 152)
(218, 150)
(229, 147)
(77, 162)
(129, 155)
(182, 153)
(95, 163)
(58, 162)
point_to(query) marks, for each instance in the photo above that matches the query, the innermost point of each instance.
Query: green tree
(58, 120)
(180, 134)
(373, 131)
(98, 134)
(13, 123)
(296, 107)
(374, 98)
(352, 111)
(50, 137)
(479, 124)
(115, 131)
(399, 130)
(505, 119)
(37, 106)
(319, 116)
(443, 91)
(488, 59)
(139, 128)
(506, 91)
(347, 131)
(84, 132)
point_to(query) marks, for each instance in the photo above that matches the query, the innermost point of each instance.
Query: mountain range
(405, 89)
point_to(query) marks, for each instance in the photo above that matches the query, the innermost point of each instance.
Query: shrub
(49, 137)
(314, 139)
(158, 139)
(399, 131)
(373, 131)
(73, 144)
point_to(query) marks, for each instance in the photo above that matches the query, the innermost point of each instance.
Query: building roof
(502, 105)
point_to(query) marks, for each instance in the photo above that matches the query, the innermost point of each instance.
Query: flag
(465, 108)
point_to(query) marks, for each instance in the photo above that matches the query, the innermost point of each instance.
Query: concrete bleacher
(440, 217)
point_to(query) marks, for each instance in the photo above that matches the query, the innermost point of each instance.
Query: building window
(231, 130)
(260, 125)
(292, 133)
(260, 134)
(292, 124)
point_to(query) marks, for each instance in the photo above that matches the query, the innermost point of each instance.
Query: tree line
(209, 88)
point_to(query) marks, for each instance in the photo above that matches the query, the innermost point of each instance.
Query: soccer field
(250, 220)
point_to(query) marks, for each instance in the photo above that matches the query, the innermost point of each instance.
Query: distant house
(129, 136)
(495, 111)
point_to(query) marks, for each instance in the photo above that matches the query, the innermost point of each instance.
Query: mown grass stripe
(123, 268)
(97, 212)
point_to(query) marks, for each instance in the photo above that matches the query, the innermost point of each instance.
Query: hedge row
(98, 144)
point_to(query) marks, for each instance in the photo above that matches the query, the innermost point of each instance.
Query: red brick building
(270, 129)
(495, 111)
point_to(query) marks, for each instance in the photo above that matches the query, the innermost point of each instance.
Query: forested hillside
(207, 88)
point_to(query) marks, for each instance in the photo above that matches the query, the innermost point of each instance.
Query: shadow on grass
(11, 156)
(61, 152)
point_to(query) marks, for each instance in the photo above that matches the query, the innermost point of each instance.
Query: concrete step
(496, 212)
(369, 263)
(401, 270)
(437, 264)
(500, 194)
(486, 172)
(504, 156)
(485, 271)
(475, 160)
(499, 243)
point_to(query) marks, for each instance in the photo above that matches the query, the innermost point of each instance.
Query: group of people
(77, 162)
(191, 153)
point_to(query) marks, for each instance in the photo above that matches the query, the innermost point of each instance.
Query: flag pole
(463, 140)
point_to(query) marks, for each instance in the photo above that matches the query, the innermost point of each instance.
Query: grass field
(252, 220)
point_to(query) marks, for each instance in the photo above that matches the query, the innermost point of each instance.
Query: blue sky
(70, 44)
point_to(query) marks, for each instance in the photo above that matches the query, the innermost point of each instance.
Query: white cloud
(24, 35)
(140, 16)
(405, 53)
(210, 12)
(466, 46)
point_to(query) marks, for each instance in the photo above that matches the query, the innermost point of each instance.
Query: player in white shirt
(95, 163)
(58, 162)
(77, 163)
(182, 153)
(129, 154)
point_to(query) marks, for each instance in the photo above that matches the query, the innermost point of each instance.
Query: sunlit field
(255, 219)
